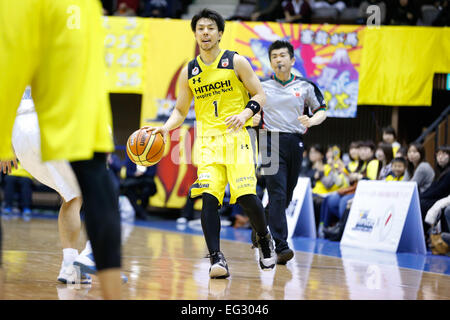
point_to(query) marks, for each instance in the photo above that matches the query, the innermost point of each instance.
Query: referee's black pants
(281, 183)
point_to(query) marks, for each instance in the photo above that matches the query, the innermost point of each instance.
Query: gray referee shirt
(286, 101)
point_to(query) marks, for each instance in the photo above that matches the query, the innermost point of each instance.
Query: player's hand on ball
(155, 130)
(6, 165)
(304, 120)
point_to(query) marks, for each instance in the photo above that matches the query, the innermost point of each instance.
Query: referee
(290, 101)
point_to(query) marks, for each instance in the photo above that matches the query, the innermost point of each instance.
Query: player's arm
(181, 109)
(251, 82)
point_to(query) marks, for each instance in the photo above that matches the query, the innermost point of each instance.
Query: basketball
(144, 148)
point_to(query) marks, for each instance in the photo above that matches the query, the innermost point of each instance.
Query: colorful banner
(125, 53)
(328, 55)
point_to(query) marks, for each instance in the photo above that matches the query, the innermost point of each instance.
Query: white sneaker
(86, 263)
(70, 275)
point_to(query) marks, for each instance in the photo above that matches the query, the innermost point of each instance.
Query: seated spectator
(403, 13)
(440, 186)
(335, 204)
(318, 4)
(155, 9)
(139, 185)
(438, 217)
(363, 10)
(443, 18)
(18, 182)
(353, 153)
(418, 169)
(398, 169)
(297, 11)
(390, 137)
(267, 10)
(402, 152)
(124, 10)
(384, 155)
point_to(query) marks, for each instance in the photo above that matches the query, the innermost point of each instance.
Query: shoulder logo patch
(225, 62)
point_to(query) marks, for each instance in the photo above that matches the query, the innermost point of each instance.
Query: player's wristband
(254, 106)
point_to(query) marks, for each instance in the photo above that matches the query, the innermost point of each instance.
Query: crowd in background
(392, 12)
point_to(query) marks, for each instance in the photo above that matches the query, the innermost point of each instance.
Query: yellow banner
(398, 65)
(125, 53)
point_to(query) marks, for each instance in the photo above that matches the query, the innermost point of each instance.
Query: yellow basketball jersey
(218, 93)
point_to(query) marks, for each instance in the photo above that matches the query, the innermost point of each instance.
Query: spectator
(440, 212)
(403, 13)
(327, 178)
(108, 7)
(155, 9)
(138, 186)
(335, 204)
(363, 10)
(398, 170)
(353, 153)
(443, 18)
(402, 152)
(418, 169)
(297, 11)
(267, 10)
(125, 10)
(21, 181)
(337, 4)
(441, 185)
(385, 155)
(389, 136)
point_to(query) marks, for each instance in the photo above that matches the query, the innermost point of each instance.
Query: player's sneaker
(69, 275)
(86, 263)
(267, 255)
(219, 266)
(284, 256)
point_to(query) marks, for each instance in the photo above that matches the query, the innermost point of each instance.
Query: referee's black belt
(296, 134)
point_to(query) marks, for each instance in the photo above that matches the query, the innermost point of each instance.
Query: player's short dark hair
(279, 44)
(208, 14)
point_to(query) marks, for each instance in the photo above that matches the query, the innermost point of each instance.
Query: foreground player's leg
(69, 226)
(252, 206)
(211, 229)
(102, 221)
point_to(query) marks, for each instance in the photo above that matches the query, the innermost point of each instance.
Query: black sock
(100, 202)
(211, 222)
(252, 206)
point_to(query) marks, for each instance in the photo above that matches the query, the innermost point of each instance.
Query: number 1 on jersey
(216, 112)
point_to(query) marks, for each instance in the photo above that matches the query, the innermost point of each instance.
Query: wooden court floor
(163, 265)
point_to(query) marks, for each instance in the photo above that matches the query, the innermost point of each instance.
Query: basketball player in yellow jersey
(57, 48)
(220, 81)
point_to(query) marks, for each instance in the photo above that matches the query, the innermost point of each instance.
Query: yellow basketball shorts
(225, 159)
(57, 48)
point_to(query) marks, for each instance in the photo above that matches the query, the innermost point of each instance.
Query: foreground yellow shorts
(57, 47)
(226, 159)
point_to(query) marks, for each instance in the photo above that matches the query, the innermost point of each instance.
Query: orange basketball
(145, 149)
